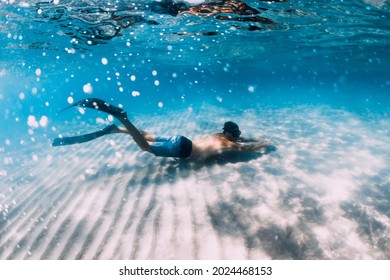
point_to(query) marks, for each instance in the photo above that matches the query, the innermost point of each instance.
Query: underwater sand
(324, 193)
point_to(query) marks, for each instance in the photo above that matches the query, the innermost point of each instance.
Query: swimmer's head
(232, 128)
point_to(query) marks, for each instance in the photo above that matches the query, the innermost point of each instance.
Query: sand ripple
(323, 194)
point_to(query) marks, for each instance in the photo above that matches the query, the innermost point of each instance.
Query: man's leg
(120, 114)
(148, 136)
(134, 132)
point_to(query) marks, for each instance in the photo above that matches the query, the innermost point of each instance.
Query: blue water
(330, 56)
(326, 52)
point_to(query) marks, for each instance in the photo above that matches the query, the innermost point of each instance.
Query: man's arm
(250, 147)
(248, 140)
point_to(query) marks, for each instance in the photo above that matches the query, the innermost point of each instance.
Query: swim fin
(86, 137)
(101, 105)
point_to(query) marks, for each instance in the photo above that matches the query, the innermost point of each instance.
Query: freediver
(175, 146)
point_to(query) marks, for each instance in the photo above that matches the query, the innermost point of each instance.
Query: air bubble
(87, 88)
(251, 89)
(43, 121)
(32, 122)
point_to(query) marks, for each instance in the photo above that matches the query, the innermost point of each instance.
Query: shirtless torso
(219, 143)
(210, 145)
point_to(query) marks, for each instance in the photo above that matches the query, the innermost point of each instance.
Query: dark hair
(230, 126)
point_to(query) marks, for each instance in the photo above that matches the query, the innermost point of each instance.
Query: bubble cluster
(87, 88)
(34, 123)
(43, 121)
(135, 93)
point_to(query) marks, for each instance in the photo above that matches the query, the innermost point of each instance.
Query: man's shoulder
(220, 136)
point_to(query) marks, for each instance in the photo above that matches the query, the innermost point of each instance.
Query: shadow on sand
(237, 189)
(151, 171)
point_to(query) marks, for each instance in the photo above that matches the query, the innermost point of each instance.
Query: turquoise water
(328, 52)
(312, 76)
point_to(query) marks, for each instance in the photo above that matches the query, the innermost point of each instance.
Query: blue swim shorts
(175, 146)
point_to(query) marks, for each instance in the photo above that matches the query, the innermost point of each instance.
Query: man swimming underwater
(174, 146)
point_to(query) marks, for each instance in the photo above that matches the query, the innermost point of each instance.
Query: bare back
(211, 145)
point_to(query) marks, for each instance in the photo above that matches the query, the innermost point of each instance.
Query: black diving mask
(235, 133)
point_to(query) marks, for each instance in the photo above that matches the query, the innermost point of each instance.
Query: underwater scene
(310, 77)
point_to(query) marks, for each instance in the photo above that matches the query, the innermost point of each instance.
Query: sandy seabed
(324, 193)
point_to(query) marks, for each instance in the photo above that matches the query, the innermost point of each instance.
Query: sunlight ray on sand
(322, 194)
